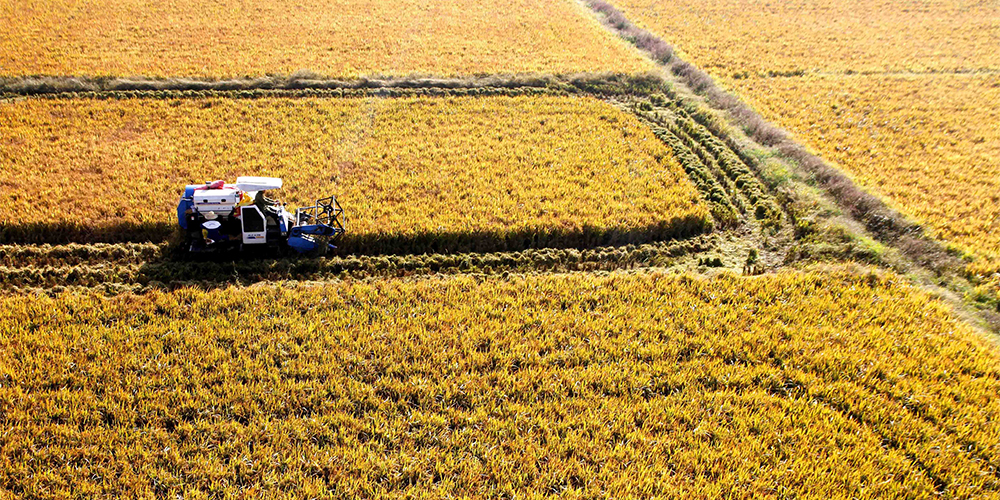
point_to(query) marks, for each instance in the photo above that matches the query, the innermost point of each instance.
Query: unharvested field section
(432, 168)
(903, 95)
(645, 384)
(930, 145)
(746, 38)
(338, 38)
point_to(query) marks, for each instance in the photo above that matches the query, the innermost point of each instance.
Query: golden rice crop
(929, 144)
(914, 131)
(640, 384)
(405, 166)
(341, 38)
(746, 38)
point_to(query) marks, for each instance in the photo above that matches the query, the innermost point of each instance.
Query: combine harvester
(220, 217)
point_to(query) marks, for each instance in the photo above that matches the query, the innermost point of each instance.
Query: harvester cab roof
(217, 216)
(258, 183)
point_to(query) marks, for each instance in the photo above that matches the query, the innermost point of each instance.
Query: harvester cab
(217, 216)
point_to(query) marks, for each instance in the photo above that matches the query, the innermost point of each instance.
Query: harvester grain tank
(218, 216)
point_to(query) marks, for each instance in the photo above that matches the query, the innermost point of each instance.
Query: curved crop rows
(725, 177)
(930, 145)
(644, 384)
(900, 94)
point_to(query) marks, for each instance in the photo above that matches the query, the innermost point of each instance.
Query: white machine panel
(254, 225)
(257, 183)
(216, 200)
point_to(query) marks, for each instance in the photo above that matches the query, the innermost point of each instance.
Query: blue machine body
(302, 244)
(301, 237)
(187, 201)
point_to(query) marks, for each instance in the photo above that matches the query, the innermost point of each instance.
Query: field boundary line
(886, 225)
(54, 85)
(881, 220)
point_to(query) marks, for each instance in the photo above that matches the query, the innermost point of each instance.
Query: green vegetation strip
(598, 83)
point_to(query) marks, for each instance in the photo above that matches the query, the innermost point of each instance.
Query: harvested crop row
(414, 174)
(723, 173)
(609, 84)
(58, 268)
(341, 38)
(75, 254)
(723, 208)
(831, 384)
(929, 144)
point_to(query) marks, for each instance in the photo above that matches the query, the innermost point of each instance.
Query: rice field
(538, 294)
(480, 166)
(929, 145)
(743, 38)
(648, 384)
(338, 38)
(902, 95)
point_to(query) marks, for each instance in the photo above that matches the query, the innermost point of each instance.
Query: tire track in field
(973, 448)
